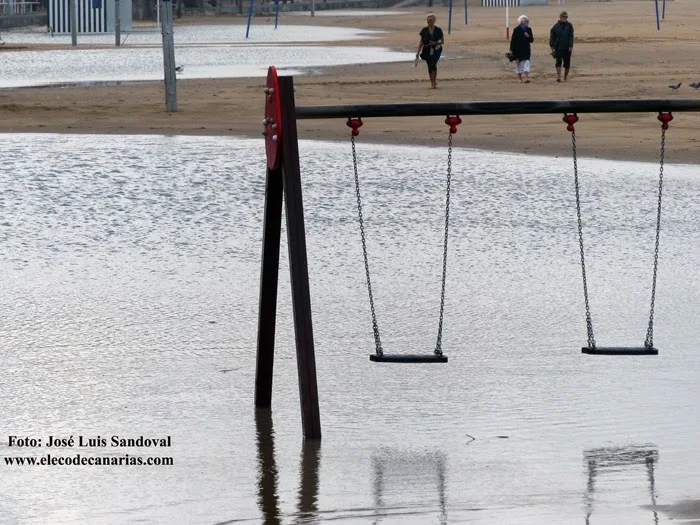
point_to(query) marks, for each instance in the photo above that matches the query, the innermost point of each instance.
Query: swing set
(284, 184)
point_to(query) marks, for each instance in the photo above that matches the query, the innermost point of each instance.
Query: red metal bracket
(665, 118)
(355, 124)
(453, 122)
(570, 121)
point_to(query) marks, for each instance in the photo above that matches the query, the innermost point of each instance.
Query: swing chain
(570, 120)
(664, 118)
(375, 326)
(355, 124)
(438, 346)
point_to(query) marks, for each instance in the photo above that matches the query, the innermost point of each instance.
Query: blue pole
(277, 11)
(250, 15)
(449, 20)
(658, 25)
(663, 13)
(466, 20)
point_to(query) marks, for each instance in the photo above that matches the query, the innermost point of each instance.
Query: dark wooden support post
(296, 239)
(267, 311)
(284, 182)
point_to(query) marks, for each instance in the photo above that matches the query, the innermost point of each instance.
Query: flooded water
(36, 68)
(205, 52)
(262, 29)
(130, 282)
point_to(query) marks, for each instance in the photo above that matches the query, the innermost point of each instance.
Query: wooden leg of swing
(299, 273)
(267, 309)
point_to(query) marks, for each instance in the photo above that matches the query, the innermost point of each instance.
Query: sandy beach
(618, 54)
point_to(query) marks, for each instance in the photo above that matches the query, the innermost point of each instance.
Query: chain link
(375, 326)
(438, 345)
(649, 343)
(589, 323)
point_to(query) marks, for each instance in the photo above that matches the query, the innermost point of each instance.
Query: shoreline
(495, 146)
(598, 135)
(610, 63)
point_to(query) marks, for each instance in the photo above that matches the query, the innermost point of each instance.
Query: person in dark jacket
(561, 41)
(430, 48)
(520, 47)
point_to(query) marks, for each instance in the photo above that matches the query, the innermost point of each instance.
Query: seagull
(675, 88)
(180, 69)
(695, 85)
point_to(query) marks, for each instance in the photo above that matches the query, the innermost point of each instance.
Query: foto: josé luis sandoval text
(113, 441)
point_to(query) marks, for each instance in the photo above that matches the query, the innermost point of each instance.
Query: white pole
(507, 20)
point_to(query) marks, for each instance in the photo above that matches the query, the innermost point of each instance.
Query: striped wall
(500, 3)
(92, 16)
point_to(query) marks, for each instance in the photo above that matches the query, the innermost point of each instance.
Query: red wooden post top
(272, 125)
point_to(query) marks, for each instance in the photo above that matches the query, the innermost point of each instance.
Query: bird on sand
(695, 85)
(676, 86)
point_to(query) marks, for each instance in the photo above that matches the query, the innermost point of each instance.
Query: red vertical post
(298, 268)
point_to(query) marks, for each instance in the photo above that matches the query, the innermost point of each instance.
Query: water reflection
(307, 508)
(268, 494)
(411, 470)
(613, 460)
(268, 500)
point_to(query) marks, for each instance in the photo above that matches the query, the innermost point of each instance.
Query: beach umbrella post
(277, 12)
(658, 25)
(508, 19)
(466, 20)
(663, 12)
(250, 15)
(449, 20)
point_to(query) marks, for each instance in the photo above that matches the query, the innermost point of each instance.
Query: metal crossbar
(531, 107)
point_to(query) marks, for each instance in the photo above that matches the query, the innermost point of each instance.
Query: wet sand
(618, 54)
(687, 510)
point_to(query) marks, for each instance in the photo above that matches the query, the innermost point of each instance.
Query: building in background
(94, 16)
(19, 7)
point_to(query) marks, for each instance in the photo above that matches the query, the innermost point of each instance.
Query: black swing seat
(620, 350)
(408, 358)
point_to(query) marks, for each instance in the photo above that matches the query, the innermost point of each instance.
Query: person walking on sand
(430, 48)
(520, 47)
(561, 41)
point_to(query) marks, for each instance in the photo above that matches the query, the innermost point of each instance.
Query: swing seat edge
(619, 350)
(408, 358)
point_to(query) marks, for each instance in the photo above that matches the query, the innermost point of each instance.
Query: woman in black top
(520, 47)
(430, 48)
